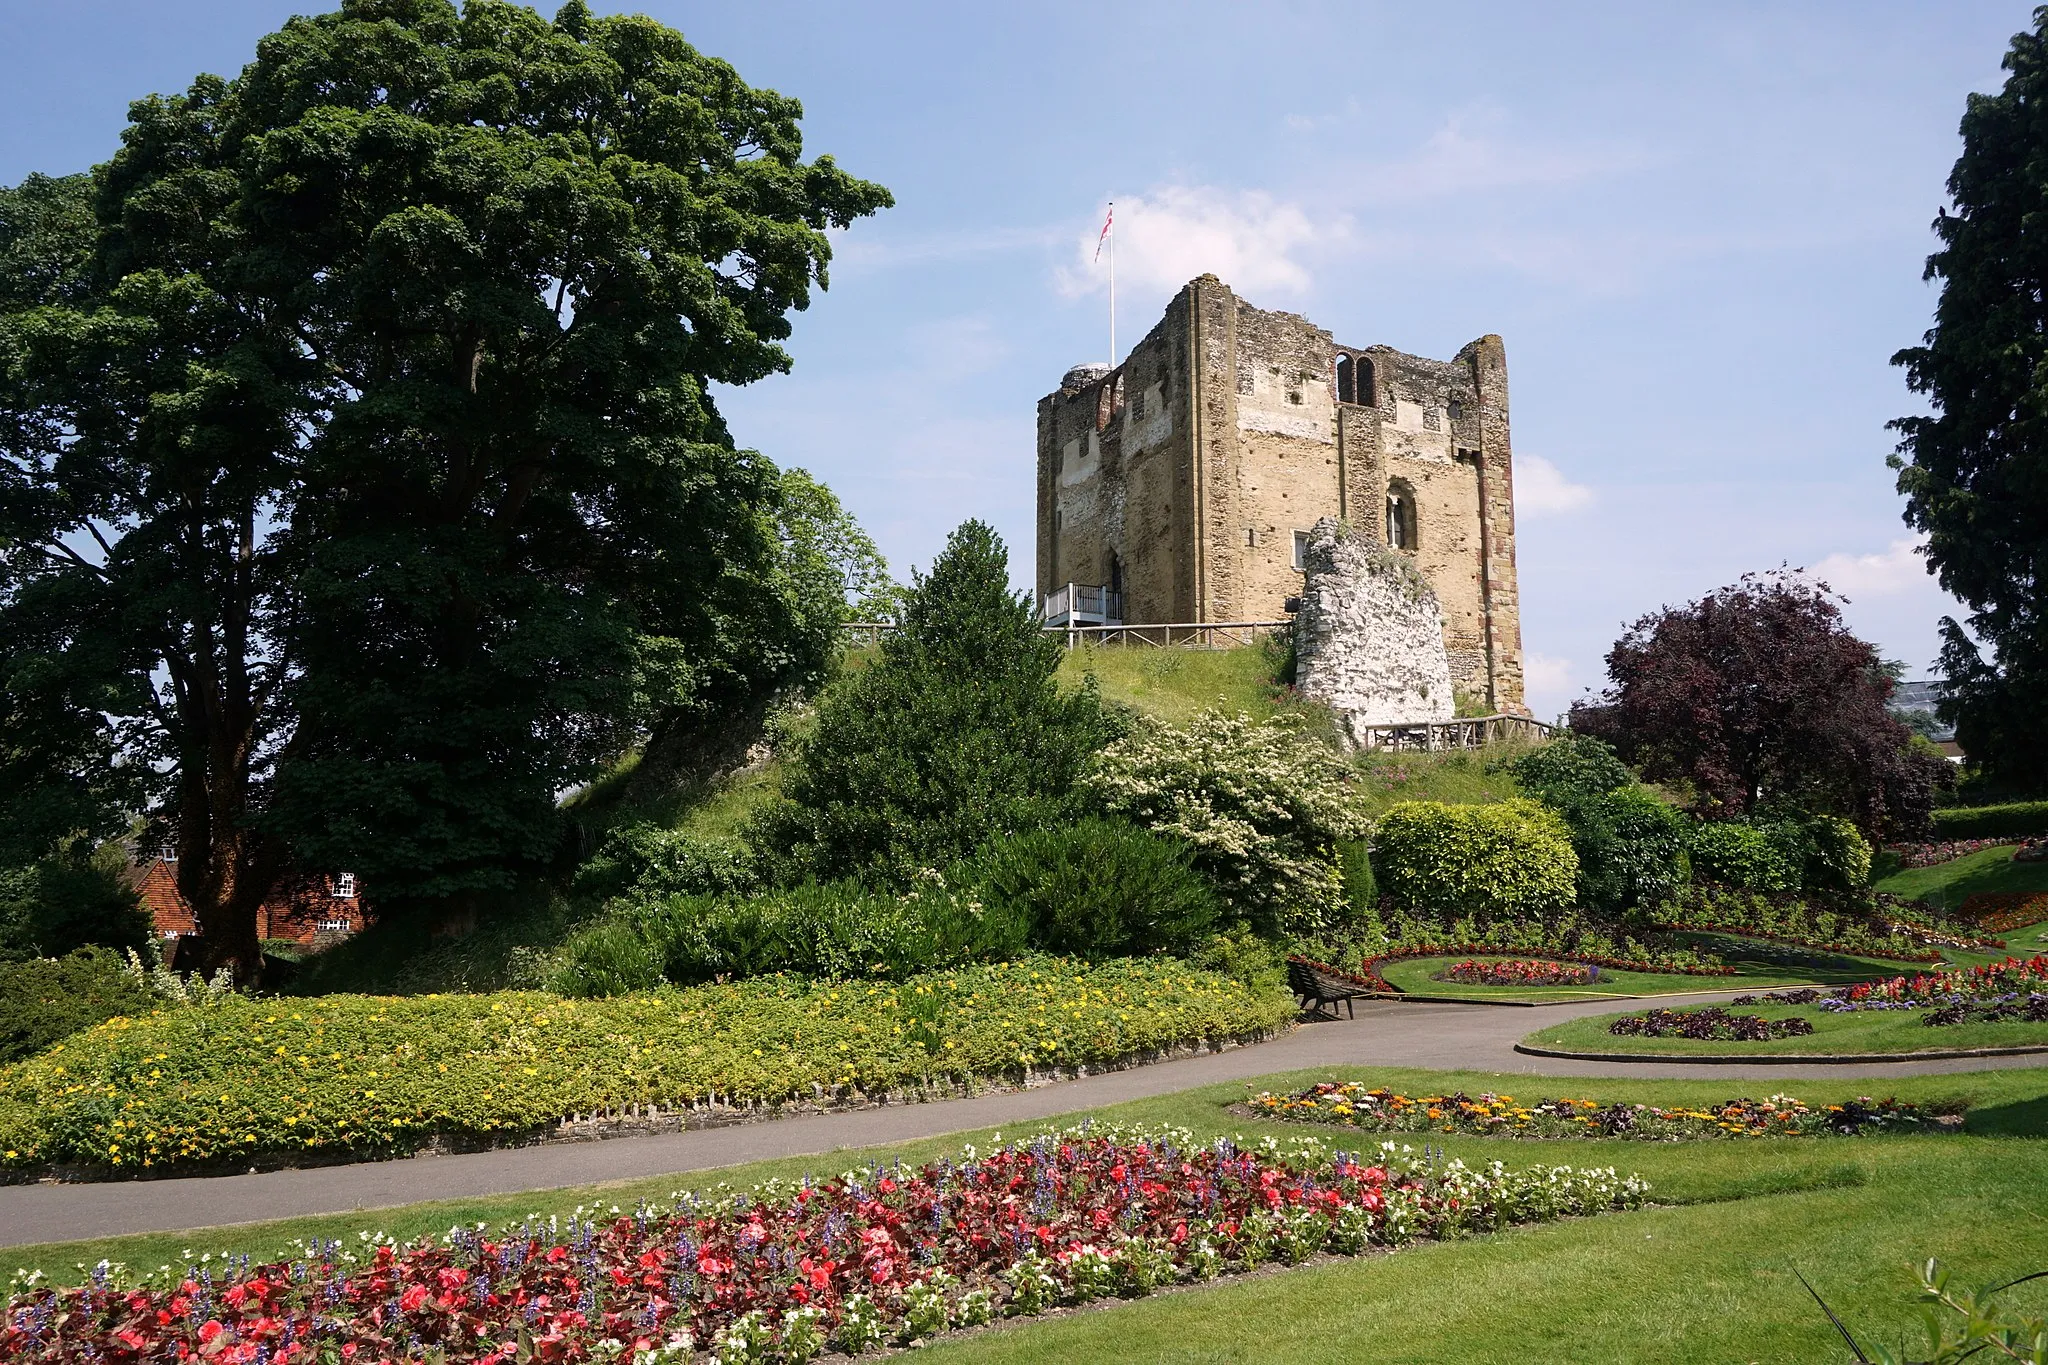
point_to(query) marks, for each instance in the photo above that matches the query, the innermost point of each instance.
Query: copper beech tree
(1757, 695)
(360, 482)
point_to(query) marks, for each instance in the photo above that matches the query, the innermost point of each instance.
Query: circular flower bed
(1476, 973)
(1712, 1024)
(890, 1255)
(1354, 1105)
(2003, 1009)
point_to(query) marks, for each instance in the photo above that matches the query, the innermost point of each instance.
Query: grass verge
(1861, 1032)
(1945, 886)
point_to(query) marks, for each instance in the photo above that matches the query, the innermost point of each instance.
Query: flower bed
(872, 1258)
(2012, 976)
(1997, 911)
(1712, 1024)
(1518, 973)
(346, 1075)
(1383, 1111)
(1943, 851)
(1790, 919)
(2004, 1009)
(1369, 973)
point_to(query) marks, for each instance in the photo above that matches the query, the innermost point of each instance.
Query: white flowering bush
(1263, 804)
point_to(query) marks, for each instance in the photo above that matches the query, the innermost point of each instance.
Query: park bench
(1316, 989)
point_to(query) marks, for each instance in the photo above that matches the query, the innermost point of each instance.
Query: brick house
(315, 913)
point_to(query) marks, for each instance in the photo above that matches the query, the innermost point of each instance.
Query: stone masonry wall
(1369, 639)
(1191, 469)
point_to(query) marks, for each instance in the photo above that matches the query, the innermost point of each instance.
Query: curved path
(1439, 1037)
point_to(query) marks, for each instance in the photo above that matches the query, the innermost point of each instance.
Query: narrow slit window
(1300, 550)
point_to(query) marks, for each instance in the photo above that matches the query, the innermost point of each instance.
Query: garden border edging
(1784, 1058)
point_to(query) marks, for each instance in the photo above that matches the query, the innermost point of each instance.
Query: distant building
(1181, 486)
(317, 912)
(1915, 702)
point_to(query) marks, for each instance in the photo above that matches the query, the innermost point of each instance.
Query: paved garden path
(1443, 1037)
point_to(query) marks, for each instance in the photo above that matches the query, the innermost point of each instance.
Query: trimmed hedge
(46, 999)
(1510, 859)
(348, 1075)
(2013, 820)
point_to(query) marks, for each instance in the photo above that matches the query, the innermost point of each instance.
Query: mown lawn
(1705, 1277)
(1417, 976)
(1946, 886)
(1858, 1032)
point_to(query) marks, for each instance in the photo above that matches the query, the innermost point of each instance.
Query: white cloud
(1169, 236)
(1544, 674)
(1541, 489)
(1896, 569)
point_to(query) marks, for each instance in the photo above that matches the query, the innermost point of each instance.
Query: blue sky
(1699, 229)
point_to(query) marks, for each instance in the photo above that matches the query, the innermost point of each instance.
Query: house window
(345, 887)
(1300, 550)
(333, 926)
(1401, 516)
(168, 853)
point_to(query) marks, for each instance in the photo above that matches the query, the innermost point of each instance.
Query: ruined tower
(1182, 485)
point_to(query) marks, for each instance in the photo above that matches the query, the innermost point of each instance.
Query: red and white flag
(1107, 219)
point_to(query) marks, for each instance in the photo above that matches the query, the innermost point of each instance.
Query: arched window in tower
(1362, 380)
(1401, 516)
(1346, 393)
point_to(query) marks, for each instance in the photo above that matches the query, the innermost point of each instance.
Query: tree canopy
(363, 485)
(1757, 694)
(1974, 470)
(957, 732)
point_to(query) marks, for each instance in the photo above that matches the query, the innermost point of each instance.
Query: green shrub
(249, 1078)
(1570, 767)
(1631, 848)
(838, 930)
(958, 732)
(1837, 855)
(1513, 859)
(651, 860)
(69, 901)
(1263, 805)
(46, 1000)
(1098, 888)
(2013, 820)
(1756, 857)
(1361, 888)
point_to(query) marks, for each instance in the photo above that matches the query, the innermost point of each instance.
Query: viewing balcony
(1078, 604)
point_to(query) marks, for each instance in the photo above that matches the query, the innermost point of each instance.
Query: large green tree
(364, 488)
(1974, 470)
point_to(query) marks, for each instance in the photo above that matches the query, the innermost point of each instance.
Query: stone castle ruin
(1185, 485)
(1369, 639)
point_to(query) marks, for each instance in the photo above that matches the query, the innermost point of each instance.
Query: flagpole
(1112, 284)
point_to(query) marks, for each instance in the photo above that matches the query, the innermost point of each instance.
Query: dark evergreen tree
(360, 482)
(1974, 470)
(959, 731)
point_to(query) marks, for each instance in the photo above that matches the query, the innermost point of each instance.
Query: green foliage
(510, 948)
(957, 732)
(1263, 805)
(1361, 888)
(257, 1078)
(1512, 860)
(385, 385)
(2010, 820)
(1460, 778)
(69, 901)
(1754, 857)
(1837, 855)
(1815, 923)
(46, 1000)
(1570, 768)
(1098, 888)
(650, 860)
(1972, 465)
(1631, 846)
(839, 930)
(1963, 1324)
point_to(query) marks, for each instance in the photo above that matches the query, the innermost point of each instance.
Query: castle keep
(1182, 485)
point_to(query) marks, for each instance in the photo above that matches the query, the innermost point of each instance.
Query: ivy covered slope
(243, 1078)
